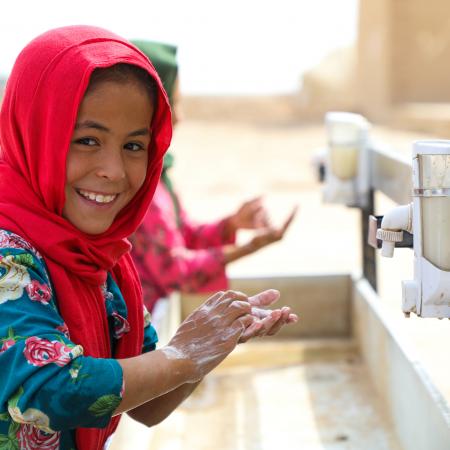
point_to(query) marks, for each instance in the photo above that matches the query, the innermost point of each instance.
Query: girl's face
(107, 161)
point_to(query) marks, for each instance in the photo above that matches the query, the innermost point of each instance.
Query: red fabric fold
(37, 118)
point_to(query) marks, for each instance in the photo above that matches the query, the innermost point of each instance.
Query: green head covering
(164, 58)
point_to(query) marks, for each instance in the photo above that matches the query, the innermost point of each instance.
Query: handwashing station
(345, 376)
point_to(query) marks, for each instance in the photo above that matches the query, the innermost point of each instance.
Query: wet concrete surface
(311, 394)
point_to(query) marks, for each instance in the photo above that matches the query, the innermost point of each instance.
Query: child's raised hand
(269, 235)
(210, 332)
(250, 215)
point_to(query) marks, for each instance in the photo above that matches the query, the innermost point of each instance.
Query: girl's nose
(112, 166)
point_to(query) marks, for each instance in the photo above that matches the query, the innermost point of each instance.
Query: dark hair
(124, 73)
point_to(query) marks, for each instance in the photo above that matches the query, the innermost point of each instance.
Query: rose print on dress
(11, 240)
(39, 292)
(64, 330)
(5, 345)
(40, 352)
(31, 438)
(13, 279)
(121, 325)
(8, 341)
(31, 416)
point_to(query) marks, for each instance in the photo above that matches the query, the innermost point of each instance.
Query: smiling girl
(84, 126)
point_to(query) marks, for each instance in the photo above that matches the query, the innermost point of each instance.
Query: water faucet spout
(396, 221)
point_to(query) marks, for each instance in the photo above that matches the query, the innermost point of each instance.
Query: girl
(83, 129)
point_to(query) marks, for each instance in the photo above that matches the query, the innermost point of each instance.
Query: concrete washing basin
(339, 379)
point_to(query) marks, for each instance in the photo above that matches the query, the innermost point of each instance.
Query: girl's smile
(108, 156)
(96, 198)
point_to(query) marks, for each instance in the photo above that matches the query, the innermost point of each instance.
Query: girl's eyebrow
(99, 126)
(141, 132)
(91, 124)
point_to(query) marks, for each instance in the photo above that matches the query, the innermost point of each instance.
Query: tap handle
(373, 238)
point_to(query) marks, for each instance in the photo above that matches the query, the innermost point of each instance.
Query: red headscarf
(37, 119)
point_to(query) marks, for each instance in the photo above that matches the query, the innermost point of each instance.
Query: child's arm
(201, 343)
(158, 409)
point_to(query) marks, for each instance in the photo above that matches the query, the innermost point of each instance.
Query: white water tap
(393, 224)
(428, 294)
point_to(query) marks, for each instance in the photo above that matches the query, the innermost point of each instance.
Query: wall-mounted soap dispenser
(347, 176)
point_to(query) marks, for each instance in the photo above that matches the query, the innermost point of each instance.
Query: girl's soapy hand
(210, 333)
(267, 322)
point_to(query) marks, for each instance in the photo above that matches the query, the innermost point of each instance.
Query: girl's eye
(134, 146)
(87, 141)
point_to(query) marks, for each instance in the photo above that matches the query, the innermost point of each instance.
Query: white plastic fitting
(392, 226)
(409, 295)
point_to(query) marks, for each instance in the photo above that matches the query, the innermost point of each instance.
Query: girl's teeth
(98, 197)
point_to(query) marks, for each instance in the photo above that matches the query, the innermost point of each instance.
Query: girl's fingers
(261, 219)
(259, 313)
(289, 220)
(264, 298)
(275, 328)
(284, 318)
(255, 201)
(285, 311)
(269, 321)
(293, 318)
(273, 323)
(213, 299)
(251, 331)
(224, 316)
(293, 213)
(245, 322)
(239, 308)
(229, 297)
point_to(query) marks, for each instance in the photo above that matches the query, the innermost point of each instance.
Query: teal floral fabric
(47, 386)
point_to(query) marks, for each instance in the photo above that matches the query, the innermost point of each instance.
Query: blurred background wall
(396, 74)
(404, 63)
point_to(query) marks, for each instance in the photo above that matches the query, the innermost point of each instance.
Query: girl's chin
(89, 226)
(89, 218)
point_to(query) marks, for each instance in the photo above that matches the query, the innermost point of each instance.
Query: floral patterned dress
(183, 257)
(47, 387)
